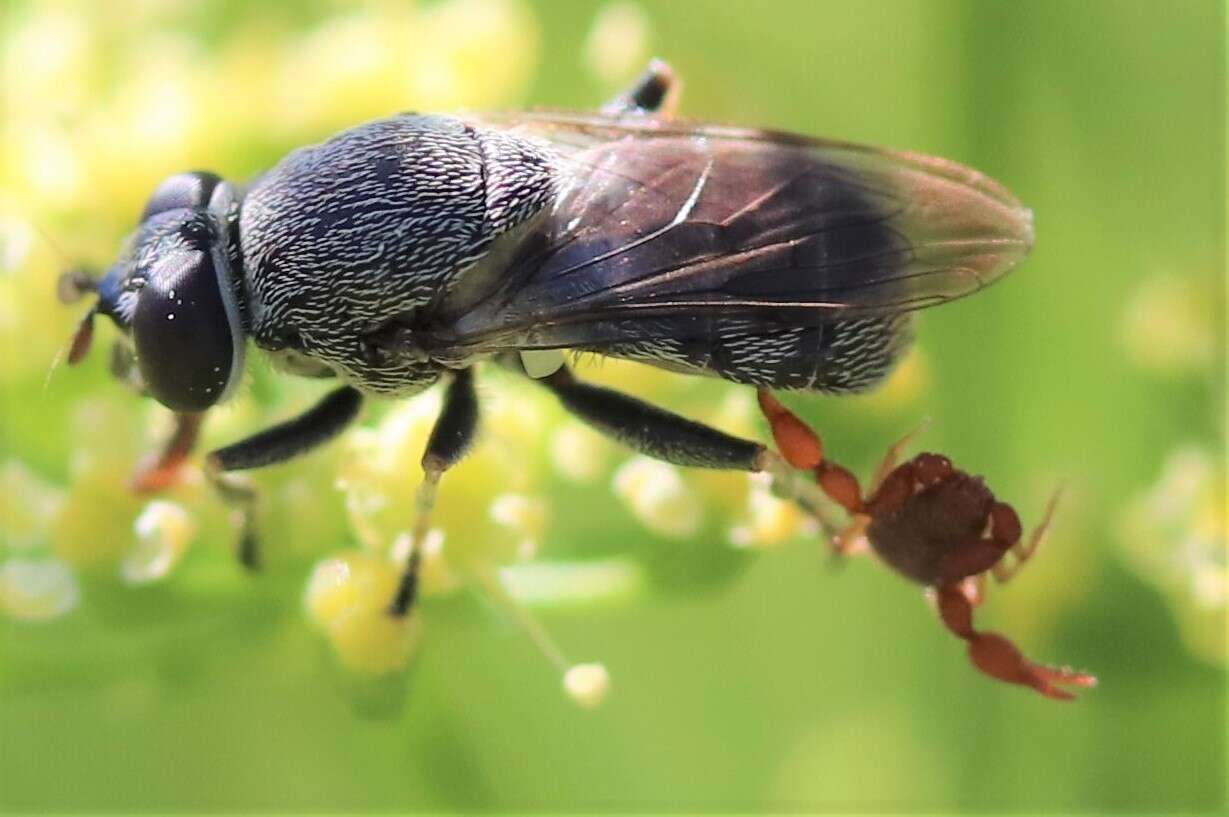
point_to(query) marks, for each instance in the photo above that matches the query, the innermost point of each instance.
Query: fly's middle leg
(450, 439)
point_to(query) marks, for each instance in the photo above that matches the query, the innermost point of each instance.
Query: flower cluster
(99, 116)
(1175, 538)
(1174, 532)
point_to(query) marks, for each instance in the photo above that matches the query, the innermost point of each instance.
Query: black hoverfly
(413, 248)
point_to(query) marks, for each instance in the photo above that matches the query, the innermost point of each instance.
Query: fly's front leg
(656, 91)
(161, 471)
(450, 439)
(285, 441)
(239, 493)
(666, 436)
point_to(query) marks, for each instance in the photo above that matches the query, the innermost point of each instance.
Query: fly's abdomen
(840, 357)
(760, 258)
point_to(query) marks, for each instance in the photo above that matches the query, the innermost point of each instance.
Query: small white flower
(587, 684)
(770, 520)
(659, 497)
(28, 504)
(37, 589)
(526, 515)
(578, 452)
(164, 532)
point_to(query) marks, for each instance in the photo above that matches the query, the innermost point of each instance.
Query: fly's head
(174, 291)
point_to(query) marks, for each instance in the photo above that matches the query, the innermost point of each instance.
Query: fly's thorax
(383, 371)
(365, 235)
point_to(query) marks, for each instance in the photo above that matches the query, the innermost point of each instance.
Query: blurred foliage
(141, 669)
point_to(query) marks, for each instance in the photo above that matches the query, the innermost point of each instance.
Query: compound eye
(186, 332)
(190, 190)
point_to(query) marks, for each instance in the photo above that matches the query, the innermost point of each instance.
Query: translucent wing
(671, 229)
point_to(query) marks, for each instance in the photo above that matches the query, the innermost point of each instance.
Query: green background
(752, 683)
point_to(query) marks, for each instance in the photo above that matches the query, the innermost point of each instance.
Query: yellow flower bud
(348, 597)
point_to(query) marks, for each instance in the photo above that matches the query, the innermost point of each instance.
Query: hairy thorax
(367, 232)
